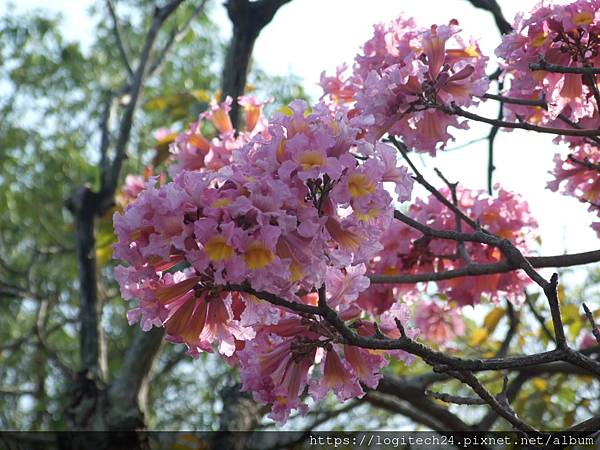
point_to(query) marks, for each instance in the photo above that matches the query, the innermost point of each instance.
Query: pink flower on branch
(404, 77)
(553, 34)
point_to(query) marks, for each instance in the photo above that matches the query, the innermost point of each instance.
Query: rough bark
(248, 20)
(240, 413)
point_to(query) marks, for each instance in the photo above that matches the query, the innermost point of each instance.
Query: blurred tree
(75, 120)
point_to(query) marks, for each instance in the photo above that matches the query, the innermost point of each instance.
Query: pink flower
(276, 372)
(406, 252)
(565, 35)
(337, 376)
(438, 324)
(579, 176)
(405, 78)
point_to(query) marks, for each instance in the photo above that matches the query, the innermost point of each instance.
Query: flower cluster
(565, 35)
(193, 151)
(300, 205)
(406, 251)
(407, 78)
(579, 175)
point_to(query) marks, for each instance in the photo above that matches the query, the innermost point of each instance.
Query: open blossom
(566, 35)
(405, 77)
(194, 151)
(578, 175)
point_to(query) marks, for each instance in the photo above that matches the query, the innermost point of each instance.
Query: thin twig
(460, 245)
(456, 399)
(118, 37)
(538, 262)
(548, 67)
(437, 194)
(177, 34)
(590, 317)
(539, 317)
(503, 409)
(552, 295)
(513, 323)
(453, 109)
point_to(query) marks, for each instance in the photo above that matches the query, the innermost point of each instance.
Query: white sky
(308, 36)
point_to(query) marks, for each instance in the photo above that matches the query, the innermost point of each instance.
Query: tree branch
(456, 399)
(552, 295)
(501, 408)
(538, 317)
(538, 262)
(453, 109)
(248, 19)
(110, 178)
(118, 38)
(414, 393)
(175, 36)
(590, 318)
(127, 386)
(492, 6)
(548, 67)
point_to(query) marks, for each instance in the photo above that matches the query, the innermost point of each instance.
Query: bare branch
(538, 317)
(585, 163)
(177, 34)
(552, 295)
(590, 425)
(513, 323)
(491, 140)
(492, 6)
(453, 109)
(110, 179)
(405, 389)
(41, 335)
(501, 408)
(118, 37)
(437, 194)
(538, 262)
(134, 371)
(390, 404)
(456, 399)
(538, 103)
(517, 101)
(590, 318)
(14, 391)
(248, 19)
(548, 67)
(460, 245)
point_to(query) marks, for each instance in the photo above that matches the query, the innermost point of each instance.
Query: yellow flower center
(583, 18)
(310, 159)
(359, 185)
(371, 214)
(221, 203)
(257, 255)
(280, 150)
(217, 249)
(539, 39)
(469, 52)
